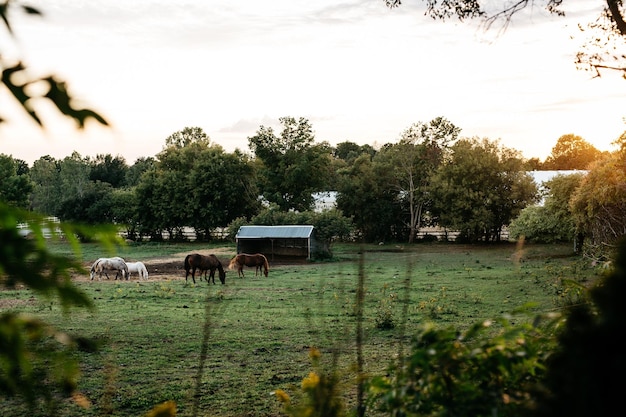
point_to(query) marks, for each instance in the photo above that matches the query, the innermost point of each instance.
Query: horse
(102, 265)
(139, 268)
(257, 260)
(196, 261)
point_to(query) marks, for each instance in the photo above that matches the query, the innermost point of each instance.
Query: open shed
(277, 241)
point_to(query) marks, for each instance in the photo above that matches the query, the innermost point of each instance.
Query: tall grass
(156, 342)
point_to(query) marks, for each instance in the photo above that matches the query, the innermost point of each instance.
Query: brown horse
(195, 261)
(243, 259)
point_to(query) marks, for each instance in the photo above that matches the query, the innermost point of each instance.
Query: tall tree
(599, 205)
(15, 184)
(571, 152)
(364, 195)
(46, 196)
(415, 158)
(293, 167)
(137, 169)
(109, 169)
(480, 189)
(196, 184)
(606, 35)
(552, 221)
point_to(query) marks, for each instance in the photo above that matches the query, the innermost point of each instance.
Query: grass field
(260, 330)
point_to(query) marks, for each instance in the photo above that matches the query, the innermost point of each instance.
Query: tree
(293, 167)
(364, 195)
(194, 183)
(552, 221)
(480, 189)
(349, 151)
(607, 35)
(15, 183)
(47, 195)
(599, 206)
(94, 205)
(571, 152)
(414, 159)
(135, 171)
(109, 169)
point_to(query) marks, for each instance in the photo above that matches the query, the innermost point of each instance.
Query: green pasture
(258, 330)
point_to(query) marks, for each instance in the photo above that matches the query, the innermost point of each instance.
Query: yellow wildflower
(314, 353)
(311, 381)
(282, 396)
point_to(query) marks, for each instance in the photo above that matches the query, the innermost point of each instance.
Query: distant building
(283, 241)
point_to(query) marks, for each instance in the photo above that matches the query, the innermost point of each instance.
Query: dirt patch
(171, 267)
(12, 303)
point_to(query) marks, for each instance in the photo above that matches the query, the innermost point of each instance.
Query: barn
(286, 241)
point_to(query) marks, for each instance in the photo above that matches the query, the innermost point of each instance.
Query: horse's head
(222, 275)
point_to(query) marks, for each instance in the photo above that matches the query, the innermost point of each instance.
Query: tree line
(429, 177)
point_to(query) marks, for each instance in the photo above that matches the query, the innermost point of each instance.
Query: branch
(616, 14)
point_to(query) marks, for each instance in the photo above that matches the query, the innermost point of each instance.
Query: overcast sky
(355, 69)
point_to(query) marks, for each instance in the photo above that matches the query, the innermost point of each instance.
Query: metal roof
(265, 232)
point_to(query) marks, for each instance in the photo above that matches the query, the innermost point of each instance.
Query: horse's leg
(193, 274)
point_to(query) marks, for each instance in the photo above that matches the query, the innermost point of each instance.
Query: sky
(357, 70)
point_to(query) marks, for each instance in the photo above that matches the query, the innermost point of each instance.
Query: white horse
(103, 265)
(139, 268)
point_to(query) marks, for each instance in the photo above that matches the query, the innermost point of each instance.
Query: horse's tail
(232, 263)
(187, 266)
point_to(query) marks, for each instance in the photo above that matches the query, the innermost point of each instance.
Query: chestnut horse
(243, 259)
(196, 261)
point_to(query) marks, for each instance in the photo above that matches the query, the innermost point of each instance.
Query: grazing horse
(196, 261)
(257, 260)
(104, 265)
(139, 268)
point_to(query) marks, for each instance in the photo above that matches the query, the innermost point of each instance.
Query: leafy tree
(599, 204)
(293, 167)
(571, 152)
(194, 183)
(15, 183)
(186, 137)
(93, 206)
(533, 164)
(46, 196)
(349, 151)
(414, 159)
(109, 169)
(552, 221)
(124, 211)
(606, 35)
(74, 175)
(364, 195)
(223, 189)
(152, 212)
(141, 165)
(480, 189)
